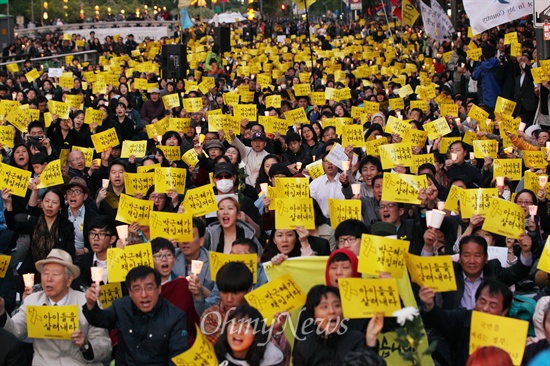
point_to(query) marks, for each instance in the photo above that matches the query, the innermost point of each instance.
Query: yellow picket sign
(510, 168)
(403, 188)
(19, 118)
(121, 261)
(353, 135)
(397, 126)
(201, 353)
(534, 159)
(170, 225)
(342, 94)
(415, 137)
(136, 148)
(297, 115)
(4, 264)
(109, 293)
(190, 157)
(437, 128)
(291, 188)
(171, 101)
(273, 101)
(231, 98)
(32, 75)
(12, 67)
(511, 37)
(140, 182)
(476, 201)
(132, 210)
(170, 178)
(371, 146)
(200, 201)
(395, 154)
(318, 98)
(483, 148)
(397, 104)
(278, 295)
(449, 110)
(17, 180)
(371, 107)
(217, 260)
(451, 203)
(171, 153)
(66, 82)
(302, 89)
(404, 91)
(192, 105)
(478, 114)
(341, 210)
(52, 322)
(105, 140)
(504, 218)
(93, 116)
(51, 175)
(179, 124)
(379, 254)
(293, 212)
(503, 332)
(245, 111)
(504, 106)
(362, 298)
(418, 160)
(436, 272)
(315, 169)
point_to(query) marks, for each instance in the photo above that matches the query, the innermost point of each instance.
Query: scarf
(44, 239)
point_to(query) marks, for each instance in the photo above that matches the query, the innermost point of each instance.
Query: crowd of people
(60, 232)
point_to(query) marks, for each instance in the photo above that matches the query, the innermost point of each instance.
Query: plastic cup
(521, 126)
(345, 166)
(543, 180)
(441, 206)
(533, 209)
(28, 278)
(428, 148)
(454, 156)
(472, 156)
(198, 129)
(105, 183)
(298, 165)
(122, 231)
(500, 181)
(263, 187)
(428, 217)
(436, 219)
(196, 267)
(98, 161)
(97, 274)
(356, 188)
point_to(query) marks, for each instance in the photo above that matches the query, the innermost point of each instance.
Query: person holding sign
(534, 223)
(331, 341)
(492, 297)
(150, 329)
(283, 244)
(474, 266)
(107, 197)
(252, 156)
(326, 186)
(88, 345)
(246, 339)
(124, 126)
(369, 167)
(456, 166)
(295, 153)
(77, 168)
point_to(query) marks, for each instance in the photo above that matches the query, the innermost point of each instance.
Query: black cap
(223, 167)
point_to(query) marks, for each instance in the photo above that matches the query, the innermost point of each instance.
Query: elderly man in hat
(80, 212)
(88, 345)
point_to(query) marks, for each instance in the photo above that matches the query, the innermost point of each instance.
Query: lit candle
(543, 179)
(298, 165)
(454, 156)
(28, 278)
(97, 275)
(122, 231)
(264, 187)
(198, 129)
(345, 165)
(196, 267)
(472, 156)
(105, 183)
(356, 188)
(521, 126)
(500, 181)
(533, 210)
(440, 206)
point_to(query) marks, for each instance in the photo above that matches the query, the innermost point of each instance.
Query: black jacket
(151, 338)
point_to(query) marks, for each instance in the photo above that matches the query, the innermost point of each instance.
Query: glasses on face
(138, 289)
(77, 159)
(160, 257)
(99, 235)
(349, 240)
(224, 176)
(525, 203)
(388, 206)
(75, 192)
(155, 197)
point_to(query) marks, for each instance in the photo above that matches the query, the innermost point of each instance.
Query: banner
(428, 20)
(443, 26)
(488, 14)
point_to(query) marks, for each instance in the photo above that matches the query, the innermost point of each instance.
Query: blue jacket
(146, 339)
(486, 71)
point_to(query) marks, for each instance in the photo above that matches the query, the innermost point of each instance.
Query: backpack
(523, 308)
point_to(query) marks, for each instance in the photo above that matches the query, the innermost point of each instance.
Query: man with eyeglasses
(348, 234)
(101, 234)
(150, 329)
(79, 212)
(407, 229)
(77, 168)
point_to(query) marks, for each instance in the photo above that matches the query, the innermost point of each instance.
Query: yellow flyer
(140, 182)
(51, 176)
(190, 157)
(397, 104)
(395, 154)
(171, 226)
(534, 159)
(293, 212)
(315, 169)
(245, 111)
(217, 260)
(371, 146)
(397, 126)
(476, 201)
(171, 153)
(200, 354)
(510, 168)
(435, 272)
(4, 264)
(274, 101)
(170, 178)
(504, 218)
(7, 136)
(52, 322)
(281, 294)
(418, 160)
(503, 332)
(121, 261)
(451, 203)
(504, 106)
(297, 115)
(109, 293)
(415, 137)
(32, 75)
(341, 210)
(302, 89)
(132, 210)
(179, 124)
(437, 128)
(362, 298)
(403, 188)
(104, 140)
(200, 201)
(478, 114)
(483, 148)
(19, 118)
(171, 101)
(59, 108)
(291, 188)
(379, 254)
(17, 180)
(353, 135)
(192, 105)
(136, 148)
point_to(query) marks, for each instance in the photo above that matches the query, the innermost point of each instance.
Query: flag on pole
(428, 20)
(444, 27)
(409, 12)
(488, 14)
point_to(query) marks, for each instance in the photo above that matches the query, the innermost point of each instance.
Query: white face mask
(224, 185)
(395, 91)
